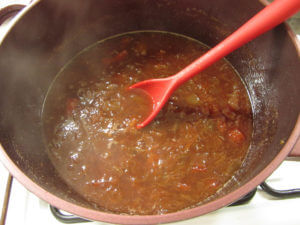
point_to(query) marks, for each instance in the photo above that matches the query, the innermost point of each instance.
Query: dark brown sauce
(193, 147)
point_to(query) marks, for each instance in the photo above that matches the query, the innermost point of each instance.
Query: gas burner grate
(289, 193)
(61, 217)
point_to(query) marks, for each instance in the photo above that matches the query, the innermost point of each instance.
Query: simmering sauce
(192, 148)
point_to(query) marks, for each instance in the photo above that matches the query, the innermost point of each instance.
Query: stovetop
(26, 209)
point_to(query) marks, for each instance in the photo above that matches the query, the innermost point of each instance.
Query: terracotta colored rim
(154, 219)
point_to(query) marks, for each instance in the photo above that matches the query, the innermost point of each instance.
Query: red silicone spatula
(161, 89)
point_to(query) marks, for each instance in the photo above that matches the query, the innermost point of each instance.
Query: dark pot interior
(53, 31)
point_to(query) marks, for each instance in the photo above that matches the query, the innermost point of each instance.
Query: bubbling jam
(185, 155)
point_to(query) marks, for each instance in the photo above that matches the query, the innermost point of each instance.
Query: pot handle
(9, 11)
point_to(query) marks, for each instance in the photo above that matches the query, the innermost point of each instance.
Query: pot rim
(149, 219)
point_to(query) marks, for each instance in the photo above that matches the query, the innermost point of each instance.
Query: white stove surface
(27, 209)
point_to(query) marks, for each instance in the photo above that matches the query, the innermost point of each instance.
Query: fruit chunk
(236, 136)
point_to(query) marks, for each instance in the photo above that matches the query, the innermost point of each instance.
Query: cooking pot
(47, 34)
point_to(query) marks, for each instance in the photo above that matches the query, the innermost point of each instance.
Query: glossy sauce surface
(193, 147)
